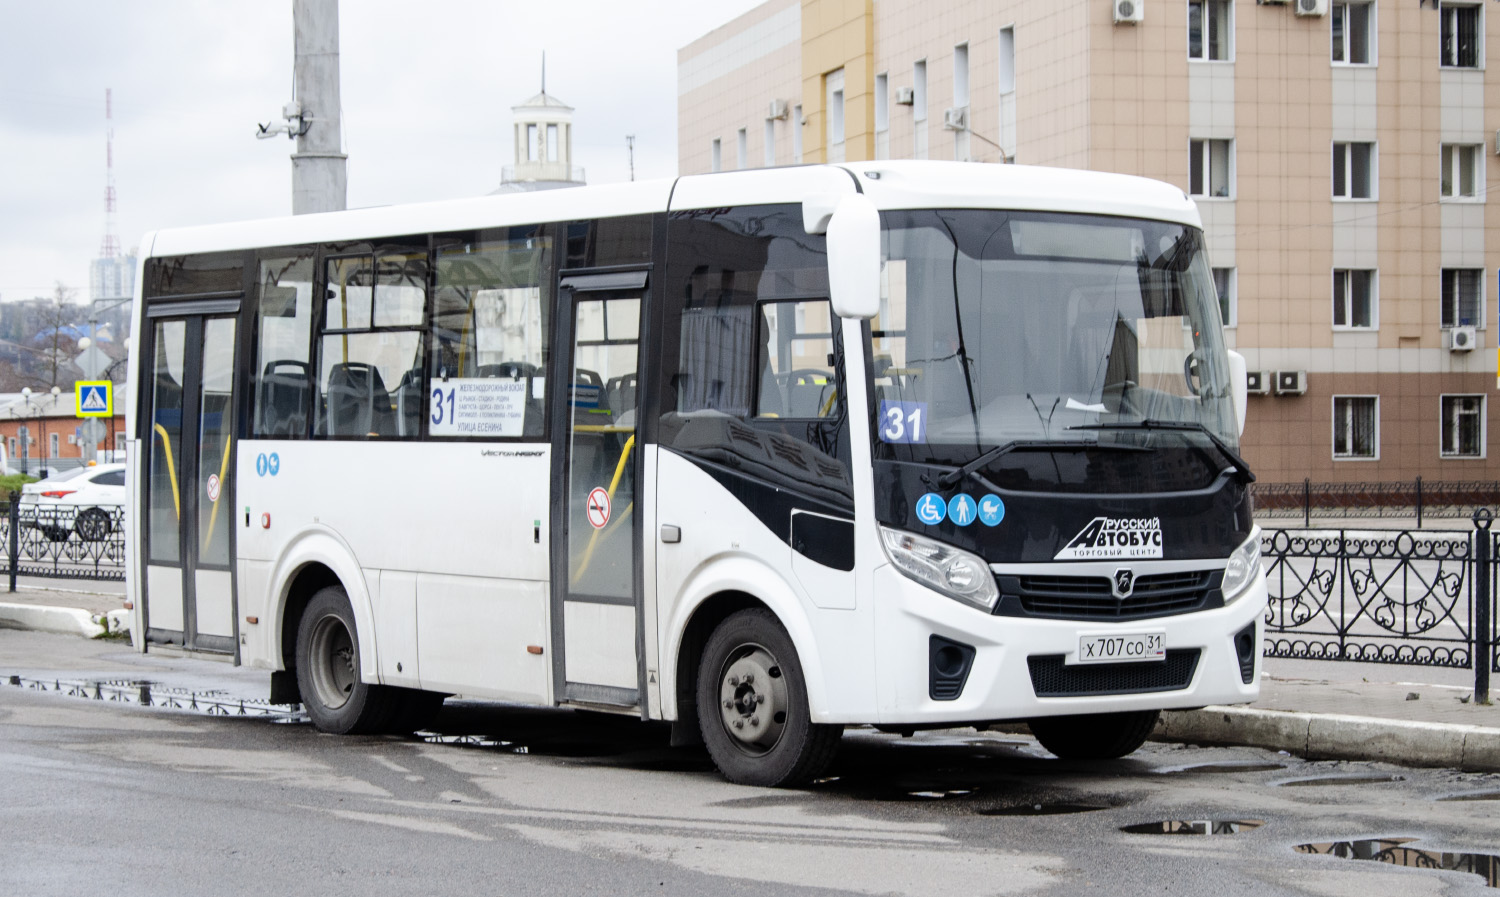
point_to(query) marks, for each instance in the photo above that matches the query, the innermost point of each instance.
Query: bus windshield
(1001, 326)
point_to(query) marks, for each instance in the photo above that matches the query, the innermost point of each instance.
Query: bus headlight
(1240, 571)
(958, 574)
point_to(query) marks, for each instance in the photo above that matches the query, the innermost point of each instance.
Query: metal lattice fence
(1417, 499)
(63, 542)
(1410, 597)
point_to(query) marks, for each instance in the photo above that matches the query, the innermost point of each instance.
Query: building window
(770, 143)
(919, 109)
(882, 102)
(531, 143)
(1463, 426)
(52, 446)
(1209, 29)
(1356, 427)
(1224, 286)
(834, 138)
(1352, 34)
(1460, 170)
(961, 75)
(1353, 170)
(1460, 26)
(1354, 299)
(1461, 301)
(1209, 167)
(1007, 60)
(797, 134)
(552, 143)
(716, 161)
(741, 149)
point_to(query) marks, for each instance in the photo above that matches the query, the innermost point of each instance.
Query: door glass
(601, 476)
(166, 441)
(215, 429)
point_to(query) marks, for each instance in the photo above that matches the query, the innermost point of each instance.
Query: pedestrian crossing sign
(94, 398)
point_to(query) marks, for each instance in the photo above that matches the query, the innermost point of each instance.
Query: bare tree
(56, 333)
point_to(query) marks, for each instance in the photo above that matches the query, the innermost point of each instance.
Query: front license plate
(1121, 648)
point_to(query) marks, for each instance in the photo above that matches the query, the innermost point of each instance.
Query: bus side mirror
(854, 257)
(1239, 390)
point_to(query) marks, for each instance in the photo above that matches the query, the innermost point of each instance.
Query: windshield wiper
(952, 477)
(1189, 426)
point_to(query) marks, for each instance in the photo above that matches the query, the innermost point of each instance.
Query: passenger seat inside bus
(285, 387)
(358, 402)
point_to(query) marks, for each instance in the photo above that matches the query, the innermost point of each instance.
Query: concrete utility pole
(319, 175)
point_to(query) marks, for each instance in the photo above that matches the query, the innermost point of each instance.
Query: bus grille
(1090, 597)
(1051, 678)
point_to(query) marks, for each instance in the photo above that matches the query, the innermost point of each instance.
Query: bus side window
(491, 314)
(750, 346)
(283, 384)
(370, 351)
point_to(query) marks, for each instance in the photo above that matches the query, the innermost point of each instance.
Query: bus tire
(328, 669)
(1094, 736)
(752, 705)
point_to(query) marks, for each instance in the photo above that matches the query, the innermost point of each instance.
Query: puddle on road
(1395, 852)
(478, 741)
(148, 693)
(1222, 767)
(1315, 781)
(1061, 809)
(1194, 827)
(1475, 795)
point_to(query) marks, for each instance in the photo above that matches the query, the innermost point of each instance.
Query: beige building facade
(1339, 153)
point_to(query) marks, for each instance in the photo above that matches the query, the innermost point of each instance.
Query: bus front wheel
(752, 705)
(1094, 736)
(328, 670)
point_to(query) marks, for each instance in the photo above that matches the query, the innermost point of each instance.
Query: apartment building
(1339, 152)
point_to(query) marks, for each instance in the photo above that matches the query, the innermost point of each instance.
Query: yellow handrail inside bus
(213, 516)
(171, 469)
(588, 551)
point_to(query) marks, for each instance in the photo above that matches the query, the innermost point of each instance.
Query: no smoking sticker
(213, 487)
(598, 507)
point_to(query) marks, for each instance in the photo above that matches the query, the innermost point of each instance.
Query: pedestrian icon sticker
(94, 398)
(931, 509)
(961, 509)
(991, 510)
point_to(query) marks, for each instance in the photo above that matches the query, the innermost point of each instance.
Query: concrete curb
(1332, 736)
(66, 620)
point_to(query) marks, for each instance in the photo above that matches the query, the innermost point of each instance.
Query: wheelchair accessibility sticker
(931, 509)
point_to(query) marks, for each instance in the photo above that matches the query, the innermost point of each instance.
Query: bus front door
(188, 494)
(596, 609)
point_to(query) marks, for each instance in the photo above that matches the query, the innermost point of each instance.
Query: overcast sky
(427, 91)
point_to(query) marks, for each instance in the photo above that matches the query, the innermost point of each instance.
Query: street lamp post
(90, 363)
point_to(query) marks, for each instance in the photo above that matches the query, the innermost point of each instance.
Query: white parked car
(85, 499)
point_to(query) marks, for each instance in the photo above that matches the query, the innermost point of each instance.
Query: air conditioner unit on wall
(1291, 383)
(1312, 7)
(778, 110)
(905, 96)
(956, 119)
(1258, 383)
(1129, 12)
(1460, 339)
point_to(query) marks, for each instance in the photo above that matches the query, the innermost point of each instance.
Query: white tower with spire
(543, 145)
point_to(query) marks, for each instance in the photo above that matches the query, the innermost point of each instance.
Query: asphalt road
(102, 797)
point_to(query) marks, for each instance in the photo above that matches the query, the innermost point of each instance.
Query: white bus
(761, 453)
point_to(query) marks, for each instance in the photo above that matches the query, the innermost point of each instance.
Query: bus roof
(890, 184)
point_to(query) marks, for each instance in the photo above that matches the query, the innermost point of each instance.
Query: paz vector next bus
(761, 453)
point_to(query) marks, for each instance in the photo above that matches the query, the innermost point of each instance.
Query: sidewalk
(69, 607)
(1413, 716)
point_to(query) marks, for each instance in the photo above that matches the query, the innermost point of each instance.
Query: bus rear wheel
(328, 670)
(752, 705)
(1095, 736)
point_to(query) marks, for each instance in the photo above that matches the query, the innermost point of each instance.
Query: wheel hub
(753, 699)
